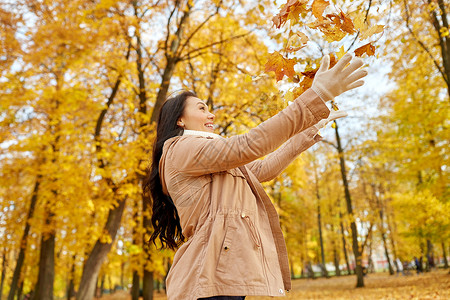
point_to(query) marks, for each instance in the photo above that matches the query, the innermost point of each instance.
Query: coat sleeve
(198, 156)
(275, 163)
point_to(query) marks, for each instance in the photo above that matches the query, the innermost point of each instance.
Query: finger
(343, 62)
(355, 85)
(354, 65)
(324, 64)
(356, 76)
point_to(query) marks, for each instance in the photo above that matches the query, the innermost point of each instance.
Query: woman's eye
(202, 108)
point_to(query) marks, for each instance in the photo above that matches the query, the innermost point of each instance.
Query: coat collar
(201, 133)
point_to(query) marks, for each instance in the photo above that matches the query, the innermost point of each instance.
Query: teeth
(210, 126)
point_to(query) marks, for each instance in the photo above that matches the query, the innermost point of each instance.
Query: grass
(432, 285)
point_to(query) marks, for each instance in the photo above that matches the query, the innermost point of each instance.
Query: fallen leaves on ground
(433, 285)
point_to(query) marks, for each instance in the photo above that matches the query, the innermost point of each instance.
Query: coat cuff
(315, 104)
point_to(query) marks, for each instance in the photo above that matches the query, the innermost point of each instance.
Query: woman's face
(196, 116)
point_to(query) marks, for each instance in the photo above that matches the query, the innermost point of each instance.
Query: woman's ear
(180, 123)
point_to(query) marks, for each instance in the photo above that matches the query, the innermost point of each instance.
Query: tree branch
(212, 44)
(420, 42)
(329, 143)
(200, 26)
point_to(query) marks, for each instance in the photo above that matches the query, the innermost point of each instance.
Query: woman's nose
(211, 116)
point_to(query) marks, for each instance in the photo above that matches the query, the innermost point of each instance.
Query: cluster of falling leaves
(334, 26)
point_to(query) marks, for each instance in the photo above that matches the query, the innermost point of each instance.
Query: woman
(207, 194)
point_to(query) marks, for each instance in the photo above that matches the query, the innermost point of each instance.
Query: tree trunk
(147, 288)
(163, 88)
(135, 286)
(319, 223)
(355, 246)
(322, 250)
(370, 267)
(336, 261)
(102, 286)
(430, 256)
(172, 58)
(147, 280)
(111, 288)
(44, 285)
(136, 241)
(94, 261)
(391, 238)
(335, 255)
(23, 241)
(98, 254)
(444, 254)
(19, 291)
(444, 41)
(383, 233)
(344, 245)
(386, 252)
(4, 271)
(122, 271)
(71, 286)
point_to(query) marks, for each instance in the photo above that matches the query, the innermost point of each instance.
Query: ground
(433, 285)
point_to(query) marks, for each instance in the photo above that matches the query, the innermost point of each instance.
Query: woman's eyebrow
(203, 103)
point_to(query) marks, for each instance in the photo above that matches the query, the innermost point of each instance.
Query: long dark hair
(165, 219)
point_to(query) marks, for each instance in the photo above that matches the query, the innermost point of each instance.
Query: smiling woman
(196, 116)
(207, 193)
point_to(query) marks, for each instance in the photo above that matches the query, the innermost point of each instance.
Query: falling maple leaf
(371, 31)
(367, 48)
(280, 65)
(341, 52)
(347, 23)
(318, 7)
(291, 10)
(296, 42)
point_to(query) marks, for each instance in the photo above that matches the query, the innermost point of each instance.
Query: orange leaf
(367, 48)
(280, 65)
(290, 10)
(318, 7)
(347, 23)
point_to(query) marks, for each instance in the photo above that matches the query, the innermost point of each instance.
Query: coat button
(243, 215)
(281, 291)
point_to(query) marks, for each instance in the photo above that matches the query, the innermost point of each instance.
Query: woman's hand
(333, 116)
(330, 83)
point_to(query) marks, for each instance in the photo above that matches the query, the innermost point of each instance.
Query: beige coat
(234, 245)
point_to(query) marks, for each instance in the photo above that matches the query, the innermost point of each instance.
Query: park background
(81, 84)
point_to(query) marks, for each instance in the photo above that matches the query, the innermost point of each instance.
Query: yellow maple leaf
(296, 42)
(341, 52)
(371, 31)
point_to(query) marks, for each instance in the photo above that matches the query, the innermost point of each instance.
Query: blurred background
(81, 85)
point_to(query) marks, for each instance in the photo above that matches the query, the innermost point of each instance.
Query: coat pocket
(251, 227)
(240, 259)
(227, 244)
